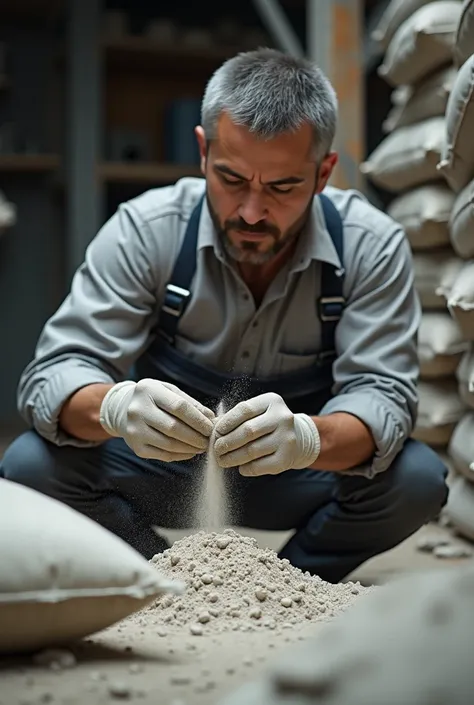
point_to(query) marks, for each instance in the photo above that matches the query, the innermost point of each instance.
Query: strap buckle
(331, 308)
(175, 300)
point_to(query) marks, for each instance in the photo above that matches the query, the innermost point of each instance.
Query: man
(296, 309)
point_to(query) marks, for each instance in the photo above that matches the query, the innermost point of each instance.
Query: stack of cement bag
(457, 166)
(427, 163)
(419, 38)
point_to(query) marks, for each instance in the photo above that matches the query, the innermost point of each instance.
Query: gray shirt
(105, 322)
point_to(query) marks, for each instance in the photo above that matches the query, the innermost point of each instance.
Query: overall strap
(178, 288)
(331, 302)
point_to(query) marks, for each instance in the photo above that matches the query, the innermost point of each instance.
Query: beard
(248, 251)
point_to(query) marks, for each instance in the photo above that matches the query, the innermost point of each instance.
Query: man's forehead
(236, 143)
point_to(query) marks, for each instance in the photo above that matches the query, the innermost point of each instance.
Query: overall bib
(305, 391)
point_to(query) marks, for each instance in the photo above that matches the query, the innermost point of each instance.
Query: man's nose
(252, 209)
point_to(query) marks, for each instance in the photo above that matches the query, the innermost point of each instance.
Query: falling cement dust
(211, 511)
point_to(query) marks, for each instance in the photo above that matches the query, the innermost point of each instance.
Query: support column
(279, 27)
(335, 38)
(84, 129)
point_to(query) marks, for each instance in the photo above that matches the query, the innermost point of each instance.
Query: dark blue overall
(339, 521)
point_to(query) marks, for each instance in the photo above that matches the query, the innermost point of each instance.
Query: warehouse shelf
(29, 162)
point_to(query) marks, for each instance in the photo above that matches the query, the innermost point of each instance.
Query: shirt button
(254, 324)
(245, 354)
(246, 297)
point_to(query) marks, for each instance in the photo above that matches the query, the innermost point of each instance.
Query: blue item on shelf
(180, 145)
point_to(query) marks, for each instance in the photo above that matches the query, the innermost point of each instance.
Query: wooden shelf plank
(29, 162)
(31, 10)
(135, 51)
(145, 172)
(112, 172)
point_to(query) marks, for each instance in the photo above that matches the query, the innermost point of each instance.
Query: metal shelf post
(84, 213)
(335, 40)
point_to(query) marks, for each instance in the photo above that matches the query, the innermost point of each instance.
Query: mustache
(256, 229)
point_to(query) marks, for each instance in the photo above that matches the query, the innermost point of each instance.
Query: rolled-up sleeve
(99, 330)
(376, 372)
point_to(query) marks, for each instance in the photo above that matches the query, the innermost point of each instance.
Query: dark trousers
(340, 521)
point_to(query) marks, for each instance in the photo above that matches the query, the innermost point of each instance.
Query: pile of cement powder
(233, 584)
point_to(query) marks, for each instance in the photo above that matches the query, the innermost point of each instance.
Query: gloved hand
(157, 420)
(263, 437)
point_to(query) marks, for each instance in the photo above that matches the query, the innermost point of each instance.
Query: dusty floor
(133, 664)
(130, 663)
(157, 670)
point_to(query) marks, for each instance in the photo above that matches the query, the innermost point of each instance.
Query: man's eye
(282, 189)
(231, 182)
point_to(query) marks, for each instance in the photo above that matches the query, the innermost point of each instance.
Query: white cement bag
(408, 157)
(428, 99)
(439, 410)
(461, 223)
(435, 272)
(8, 213)
(401, 94)
(457, 157)
(465, 377)
(440, 345)
(422, 44)
(461, 301)
(461, 447)
(393, 17)
(460, 507)
(424, 214)
(63, 576)
(409, 642)
(464, 40)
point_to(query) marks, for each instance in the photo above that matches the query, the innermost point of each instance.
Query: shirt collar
(315, 242)
(207, 236)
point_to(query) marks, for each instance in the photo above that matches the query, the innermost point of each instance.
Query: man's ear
(325, 170)
(202, 144)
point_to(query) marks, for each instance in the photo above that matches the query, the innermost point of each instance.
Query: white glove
(263, 437)
(157, 420)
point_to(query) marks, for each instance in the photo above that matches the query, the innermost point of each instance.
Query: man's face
(260, 192)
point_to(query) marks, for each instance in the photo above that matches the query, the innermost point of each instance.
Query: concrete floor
(406, 559)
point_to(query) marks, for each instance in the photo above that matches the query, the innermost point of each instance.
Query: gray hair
(271, 93)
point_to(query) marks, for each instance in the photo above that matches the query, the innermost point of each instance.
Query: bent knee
(28, 461)
(422, 476)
